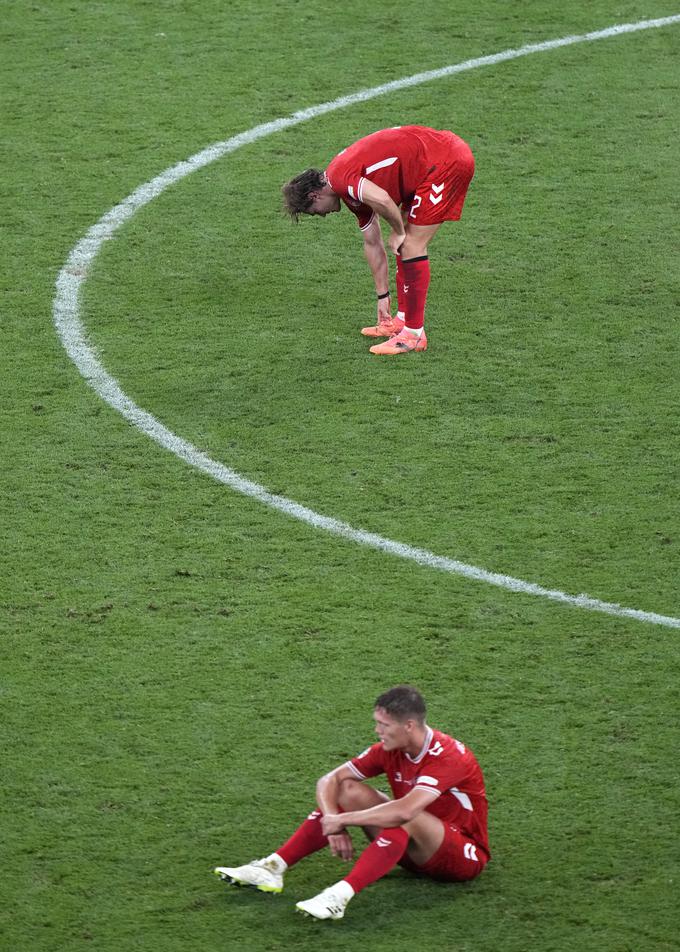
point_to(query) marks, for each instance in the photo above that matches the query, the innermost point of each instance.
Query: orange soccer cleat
(384, 328)
(401, 343)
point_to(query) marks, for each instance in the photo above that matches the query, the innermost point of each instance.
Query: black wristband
(383, 296)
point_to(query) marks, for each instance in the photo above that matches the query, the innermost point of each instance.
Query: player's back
(395, 159)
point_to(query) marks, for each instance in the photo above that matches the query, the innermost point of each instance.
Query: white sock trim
(343, 889)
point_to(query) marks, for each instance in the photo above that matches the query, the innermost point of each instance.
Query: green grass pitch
(178, 663)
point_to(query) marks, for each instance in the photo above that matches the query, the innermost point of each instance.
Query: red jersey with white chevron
(402, 161)
(445, 768)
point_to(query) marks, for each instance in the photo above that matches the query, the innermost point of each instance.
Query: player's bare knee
(351, 795)
(413, 828)
(355, 795)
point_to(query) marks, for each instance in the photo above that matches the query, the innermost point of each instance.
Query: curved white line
(70, 329)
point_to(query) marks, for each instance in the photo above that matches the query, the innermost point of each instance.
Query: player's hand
(396, 240)
(341, 845)
(384, 310)
(331, 823)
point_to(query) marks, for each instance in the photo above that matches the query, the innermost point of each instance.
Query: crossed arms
(387, 813)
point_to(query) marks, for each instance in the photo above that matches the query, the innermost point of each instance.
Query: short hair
(402, 703)
(297, 198)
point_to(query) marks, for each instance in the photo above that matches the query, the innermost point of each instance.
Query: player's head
(398, 714)
(309, 194)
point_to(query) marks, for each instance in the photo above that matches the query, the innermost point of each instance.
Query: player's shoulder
(338, 167)
(371, 751)
(444, 745)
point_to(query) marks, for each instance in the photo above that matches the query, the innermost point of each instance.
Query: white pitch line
(66, 312)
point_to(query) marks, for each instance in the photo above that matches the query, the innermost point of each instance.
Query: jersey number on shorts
(470, 852)
(416, 204)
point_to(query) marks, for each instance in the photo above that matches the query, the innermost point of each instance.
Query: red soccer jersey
(444, 766)
(398, 160)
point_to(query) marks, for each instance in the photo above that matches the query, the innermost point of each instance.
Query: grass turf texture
(179, 663)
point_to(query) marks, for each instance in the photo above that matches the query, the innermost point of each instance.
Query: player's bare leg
(425, 836)
(417, 239)
(415, 271)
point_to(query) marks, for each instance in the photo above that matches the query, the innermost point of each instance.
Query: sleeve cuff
(437, 793)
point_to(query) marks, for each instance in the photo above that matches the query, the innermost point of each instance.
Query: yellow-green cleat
(261, 874)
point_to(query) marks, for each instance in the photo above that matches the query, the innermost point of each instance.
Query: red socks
(416, 281)
(401, 294)
(378, 859)
(308, 838)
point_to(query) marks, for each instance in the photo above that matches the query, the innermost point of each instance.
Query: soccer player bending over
(415, 178)
(436, 825)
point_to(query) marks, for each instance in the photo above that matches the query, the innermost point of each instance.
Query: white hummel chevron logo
(381, 841)
(436, 190)
(470, 852)
(436, 749)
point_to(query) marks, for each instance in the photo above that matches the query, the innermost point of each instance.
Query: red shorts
(457, 859)
(440, 196)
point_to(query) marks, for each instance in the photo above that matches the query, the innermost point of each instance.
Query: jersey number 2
(416, 205)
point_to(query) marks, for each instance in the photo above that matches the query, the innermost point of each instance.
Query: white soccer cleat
(329, 904)
(262, 874)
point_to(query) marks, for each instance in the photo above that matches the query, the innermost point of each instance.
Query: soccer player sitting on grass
(413, 177)
(436, 825)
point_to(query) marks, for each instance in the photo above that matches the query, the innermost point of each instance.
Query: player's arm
(374, 251)
(328, 788)
(393, 813)
(378, 199)
(327, 797)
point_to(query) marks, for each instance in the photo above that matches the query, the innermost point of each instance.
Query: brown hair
(402, 703)
(296, 193)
